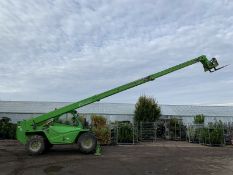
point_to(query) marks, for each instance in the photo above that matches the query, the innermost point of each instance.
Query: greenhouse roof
(114, 108)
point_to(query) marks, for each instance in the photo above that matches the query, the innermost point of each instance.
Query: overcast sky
(66, 50)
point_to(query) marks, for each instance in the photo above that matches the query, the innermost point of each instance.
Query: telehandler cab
(41, 133)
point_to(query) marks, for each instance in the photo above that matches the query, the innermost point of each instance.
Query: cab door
(63, 131)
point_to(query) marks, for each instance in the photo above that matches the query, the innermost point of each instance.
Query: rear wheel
(87, 143)
(35, 145)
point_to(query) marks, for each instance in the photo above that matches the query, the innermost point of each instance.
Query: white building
(18, 110)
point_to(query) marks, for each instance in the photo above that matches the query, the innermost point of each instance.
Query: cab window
(67, 119)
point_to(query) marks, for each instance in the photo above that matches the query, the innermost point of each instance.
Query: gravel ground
(163, 157)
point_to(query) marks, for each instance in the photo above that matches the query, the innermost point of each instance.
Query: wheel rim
(87, 143)
(35, 145)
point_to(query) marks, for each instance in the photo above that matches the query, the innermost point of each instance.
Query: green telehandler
(39, 134)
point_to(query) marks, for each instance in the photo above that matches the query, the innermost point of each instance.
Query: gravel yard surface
(162, 157)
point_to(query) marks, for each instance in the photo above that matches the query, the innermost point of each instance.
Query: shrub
(204, 135)
(199, 119)
(125, 132)
(177, 129)
(98, 121)
(102, 134)
(212, 134)
(216, 133)
(192, 134)
(7, 129)
(196, 132)
(101, 129)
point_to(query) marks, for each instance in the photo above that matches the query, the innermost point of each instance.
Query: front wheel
(35, 145)
(87, 143)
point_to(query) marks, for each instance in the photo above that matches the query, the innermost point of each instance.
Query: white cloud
(66, 50)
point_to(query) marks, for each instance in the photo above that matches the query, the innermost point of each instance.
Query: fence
(124, 133)
(213, 134)
(175, 129)
(131, 133)
(148, 131)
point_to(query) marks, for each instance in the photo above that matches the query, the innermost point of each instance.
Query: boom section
(98, 97)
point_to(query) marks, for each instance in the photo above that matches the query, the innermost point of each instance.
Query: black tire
(35, 145)
(87, 143)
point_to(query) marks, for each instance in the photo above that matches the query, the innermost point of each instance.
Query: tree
(146, 110)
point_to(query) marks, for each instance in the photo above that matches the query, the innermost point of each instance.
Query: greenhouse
(18, 110)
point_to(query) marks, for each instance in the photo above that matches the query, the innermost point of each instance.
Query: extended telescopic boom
(209, 65)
